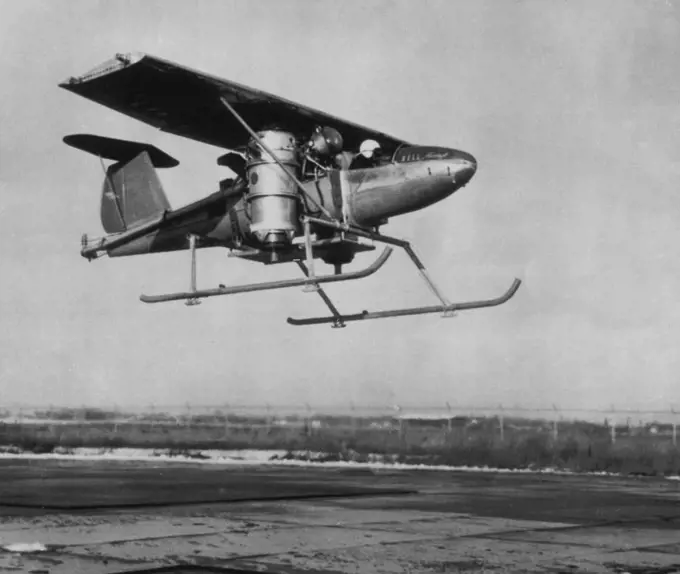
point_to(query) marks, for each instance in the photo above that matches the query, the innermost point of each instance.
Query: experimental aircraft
(301, 192)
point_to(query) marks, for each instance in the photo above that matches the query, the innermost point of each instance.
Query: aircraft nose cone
(465, 170)
(466, 167)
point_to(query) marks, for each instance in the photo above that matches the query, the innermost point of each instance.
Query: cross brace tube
(405, 245)
(337, 317)
(200, 294)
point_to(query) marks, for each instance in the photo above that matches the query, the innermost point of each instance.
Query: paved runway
(98, 517)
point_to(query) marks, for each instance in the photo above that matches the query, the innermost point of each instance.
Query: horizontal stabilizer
(119, 150)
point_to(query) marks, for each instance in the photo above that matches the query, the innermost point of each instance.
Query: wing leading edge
(186, 102)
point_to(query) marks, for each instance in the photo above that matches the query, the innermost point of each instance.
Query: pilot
(368, 156)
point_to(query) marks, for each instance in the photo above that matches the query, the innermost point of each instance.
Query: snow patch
(373, 462)
(145, 454)
(25, 547)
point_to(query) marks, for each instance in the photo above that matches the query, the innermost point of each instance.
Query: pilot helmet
(369, 148)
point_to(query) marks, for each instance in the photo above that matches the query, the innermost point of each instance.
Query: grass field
(523, 443)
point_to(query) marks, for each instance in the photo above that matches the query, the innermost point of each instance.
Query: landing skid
(311, 283)
(302, 282)
(342, 319)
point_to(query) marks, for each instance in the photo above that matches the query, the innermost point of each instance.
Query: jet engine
(272, 194)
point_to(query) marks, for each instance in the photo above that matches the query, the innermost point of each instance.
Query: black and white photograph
(343, 286)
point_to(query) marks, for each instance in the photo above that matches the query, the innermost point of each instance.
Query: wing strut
(446, 308)
(264, 146)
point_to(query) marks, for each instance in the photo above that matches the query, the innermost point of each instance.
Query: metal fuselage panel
(416, 178)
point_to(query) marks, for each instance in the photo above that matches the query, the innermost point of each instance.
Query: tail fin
(132, 193)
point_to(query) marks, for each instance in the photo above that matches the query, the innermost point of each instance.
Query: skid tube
(412, 311)
(303, 281)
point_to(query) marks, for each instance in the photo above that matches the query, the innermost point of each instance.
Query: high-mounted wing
(186, 102)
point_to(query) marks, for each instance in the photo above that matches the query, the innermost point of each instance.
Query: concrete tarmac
(60, 516)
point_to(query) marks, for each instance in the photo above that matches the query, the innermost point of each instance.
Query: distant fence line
(313, 418)
(306, 410)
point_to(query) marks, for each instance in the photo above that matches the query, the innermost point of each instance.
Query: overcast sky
(570, 107)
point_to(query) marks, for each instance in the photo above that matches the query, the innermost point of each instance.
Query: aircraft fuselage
(416, 177)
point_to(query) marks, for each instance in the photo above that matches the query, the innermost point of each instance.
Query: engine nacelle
(272, 194)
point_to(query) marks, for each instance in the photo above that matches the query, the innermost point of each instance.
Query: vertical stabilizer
(132, 193)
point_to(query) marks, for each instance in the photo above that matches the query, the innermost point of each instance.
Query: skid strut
(308, 267)
(308, 270)
(192, 245)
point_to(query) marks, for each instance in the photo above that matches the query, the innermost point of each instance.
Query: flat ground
(128, 517)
